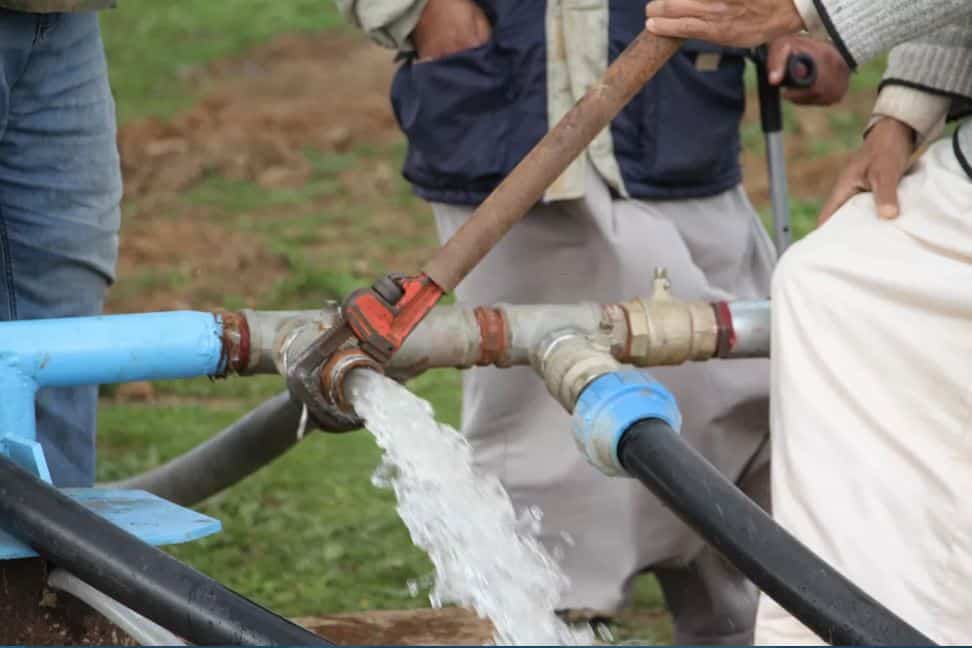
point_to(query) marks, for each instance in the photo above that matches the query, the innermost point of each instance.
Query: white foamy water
(485, 559)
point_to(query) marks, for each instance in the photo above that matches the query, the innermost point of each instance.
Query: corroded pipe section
(643, 332)
(337, 370)
(235, 339)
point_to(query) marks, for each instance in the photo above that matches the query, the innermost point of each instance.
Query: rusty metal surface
(526, 184)
(493, 336)
(337, 369)
(614, 324)
(236, 342)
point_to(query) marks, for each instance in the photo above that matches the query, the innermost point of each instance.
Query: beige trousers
(608, 529)
(872, 402)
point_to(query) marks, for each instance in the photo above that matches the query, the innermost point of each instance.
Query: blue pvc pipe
(113, 348)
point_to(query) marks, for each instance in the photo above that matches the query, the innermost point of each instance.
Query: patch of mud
(261, 112)
(33, 615)
(160, 258)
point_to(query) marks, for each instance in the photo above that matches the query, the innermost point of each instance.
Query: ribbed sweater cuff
(863, 30)
(941, 70)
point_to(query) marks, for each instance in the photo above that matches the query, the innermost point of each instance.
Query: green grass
(310, 533)
(154, 45)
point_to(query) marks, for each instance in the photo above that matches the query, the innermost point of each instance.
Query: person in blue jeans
(60, 189)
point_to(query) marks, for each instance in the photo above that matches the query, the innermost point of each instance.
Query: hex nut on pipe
(665, 331)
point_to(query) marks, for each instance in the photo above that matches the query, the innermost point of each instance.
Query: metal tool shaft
(526, 184)
(779, 192)
(801, 72)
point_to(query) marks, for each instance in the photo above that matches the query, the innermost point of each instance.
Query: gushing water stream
(484, 558)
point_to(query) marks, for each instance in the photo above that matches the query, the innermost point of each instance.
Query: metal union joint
(304, 379)
(569, 361)
(337, 369)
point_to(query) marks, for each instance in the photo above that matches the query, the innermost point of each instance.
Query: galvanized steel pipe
(750, 321)
(643, 332)
(459, 337)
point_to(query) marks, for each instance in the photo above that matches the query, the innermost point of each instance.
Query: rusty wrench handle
(526, 184)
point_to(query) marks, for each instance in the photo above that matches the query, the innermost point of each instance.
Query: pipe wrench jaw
(304, 379)
(375, 322)
(383, 316)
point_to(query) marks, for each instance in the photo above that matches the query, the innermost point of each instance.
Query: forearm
(389, 23)
(924, 112)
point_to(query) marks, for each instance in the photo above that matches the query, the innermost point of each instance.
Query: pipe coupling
(568, 362)
(610, 405)
(666, 331)
(337, 369)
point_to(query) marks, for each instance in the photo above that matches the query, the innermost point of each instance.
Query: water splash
(484, 558)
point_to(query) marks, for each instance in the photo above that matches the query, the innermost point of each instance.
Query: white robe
(872, 401)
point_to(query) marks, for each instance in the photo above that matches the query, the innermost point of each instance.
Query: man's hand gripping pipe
(377, 320)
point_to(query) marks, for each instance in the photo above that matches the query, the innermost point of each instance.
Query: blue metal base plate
(150, 518)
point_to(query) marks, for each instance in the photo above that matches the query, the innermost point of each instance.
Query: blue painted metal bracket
(96, 350)
(27, 454)
(150, 518)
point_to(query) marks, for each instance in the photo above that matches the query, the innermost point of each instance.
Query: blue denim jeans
(60, 188)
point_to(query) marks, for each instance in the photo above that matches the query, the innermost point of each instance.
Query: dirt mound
(262, 111)
(215, 261)
(259, 115)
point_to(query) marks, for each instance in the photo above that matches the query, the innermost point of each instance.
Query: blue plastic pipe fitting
(610, 405)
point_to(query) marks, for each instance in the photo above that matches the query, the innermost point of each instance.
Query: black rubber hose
(154, 584)
(792, 575)
(230, 456)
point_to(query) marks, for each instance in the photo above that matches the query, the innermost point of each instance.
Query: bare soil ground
(260, 114)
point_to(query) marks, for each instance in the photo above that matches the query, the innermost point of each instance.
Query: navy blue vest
(472, 116)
